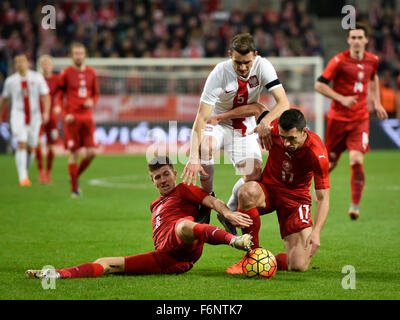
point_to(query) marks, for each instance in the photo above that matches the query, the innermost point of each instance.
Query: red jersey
(290, 173)
(52, 83)
(350, 77)
(78, 86)
(182, 202)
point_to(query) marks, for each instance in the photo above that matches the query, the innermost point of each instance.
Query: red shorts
(293, 216)
(171, 256)
(79, 133)
(51, 130)
(342, 135)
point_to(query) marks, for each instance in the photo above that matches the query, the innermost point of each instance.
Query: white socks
(233, 200)
(21, 159)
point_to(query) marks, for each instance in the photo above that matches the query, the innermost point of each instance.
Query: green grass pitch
(42, 225)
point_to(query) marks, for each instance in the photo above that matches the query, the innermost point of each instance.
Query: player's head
(357, 38)
(292, 129)
(242, 51)
(46, 64)
(21, 63)
(163, 174)
(78, 53)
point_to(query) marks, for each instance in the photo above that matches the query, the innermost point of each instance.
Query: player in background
(50, 129)
(235, 82)
(78, 84)
(23, 90)
(354, 75)
(178, 240)
(296, 156)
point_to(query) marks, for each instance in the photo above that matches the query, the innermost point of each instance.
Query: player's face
(242, 63)
(47, 66)
(78, 55)
(164, 179)
(21, 64)
(357, 40)
(293, 138)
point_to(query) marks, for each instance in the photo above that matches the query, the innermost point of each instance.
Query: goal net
(147, 100)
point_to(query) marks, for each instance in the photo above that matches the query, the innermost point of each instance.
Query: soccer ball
(259, 263)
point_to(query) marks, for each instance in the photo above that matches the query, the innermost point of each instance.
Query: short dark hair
(158, 162)
(359, 26)
(243, 43)
(292, 118)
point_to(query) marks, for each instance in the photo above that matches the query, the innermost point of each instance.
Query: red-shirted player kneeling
(178, 239)
(296, 156)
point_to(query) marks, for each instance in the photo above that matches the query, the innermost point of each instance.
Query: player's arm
(263, 128)
(376, 98)
(248, 110)
(321, 214)
(3, 103)
(322, 86)
(238, 219)
(91, 101)
(193, 167)
(46, 107)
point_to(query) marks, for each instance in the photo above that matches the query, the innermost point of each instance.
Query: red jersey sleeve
(332, 68)
(321, 171)
(192, 193)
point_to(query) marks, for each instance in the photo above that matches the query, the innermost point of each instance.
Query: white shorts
(237, 146)
(25, 133)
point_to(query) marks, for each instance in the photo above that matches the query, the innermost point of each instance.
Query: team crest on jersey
(360, 75)
(286, 165)
(253, 81)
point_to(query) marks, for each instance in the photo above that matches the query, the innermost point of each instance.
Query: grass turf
(42, 225)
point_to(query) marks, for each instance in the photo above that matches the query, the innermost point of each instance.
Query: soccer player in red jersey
(177, 238)
(296, 156)
(354, 73)
(78, 83)
(51, 127)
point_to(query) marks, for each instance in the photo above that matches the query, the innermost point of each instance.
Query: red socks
(211, 234)
(254, 229)
(82, 271)
(281, 260)
(39, 158)
(357, 182)
(83, 165)
(50, 157)
(73, 174)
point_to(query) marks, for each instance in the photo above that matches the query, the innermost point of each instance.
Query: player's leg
(358, 145)
(298, 258)
(335, 141)
(208, 148)
(73, 171)
(39, 156)
(52, 137)
(189, 231)
(20, 134)
(72, 143)
(87, 131)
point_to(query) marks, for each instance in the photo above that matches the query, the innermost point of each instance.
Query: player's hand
(57, 110)
(264, 133)
(214, 120)
(239, 219)
(88, 103)
(381, 112)
(313, 241)
(348, 101)
(69, 118)
(191, 171)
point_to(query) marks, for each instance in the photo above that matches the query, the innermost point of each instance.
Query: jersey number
(82, 92)
(287, 176)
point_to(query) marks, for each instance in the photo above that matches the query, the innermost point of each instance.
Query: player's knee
(21, 145)
(206, 152)
(299, 265)
(254, 175)
(248, 193)
(104, 263)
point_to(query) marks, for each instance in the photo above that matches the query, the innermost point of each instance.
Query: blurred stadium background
(152, 57)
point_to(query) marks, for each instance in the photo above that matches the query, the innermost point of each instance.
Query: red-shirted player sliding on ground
(348, 119)
(79, 84)
(296, 156)
(50, 129)
(178, 240)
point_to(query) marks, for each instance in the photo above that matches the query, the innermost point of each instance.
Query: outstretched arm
(238, 219)
(248, 110)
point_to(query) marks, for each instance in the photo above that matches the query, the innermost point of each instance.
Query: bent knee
(250, 192)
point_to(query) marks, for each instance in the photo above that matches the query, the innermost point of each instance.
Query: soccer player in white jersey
(23, 89)
(234, 83)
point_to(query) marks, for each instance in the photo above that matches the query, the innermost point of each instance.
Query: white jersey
(225, 90)
(24, 93)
